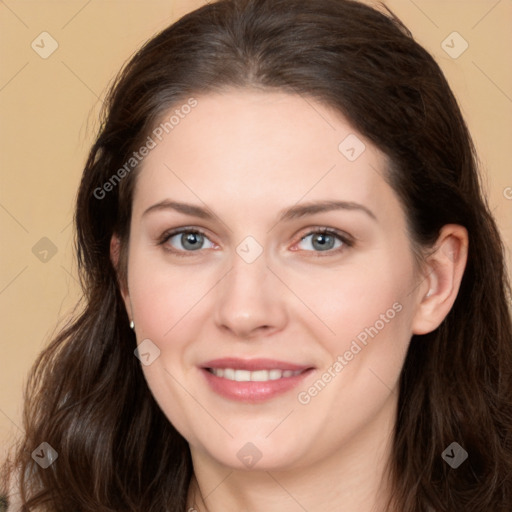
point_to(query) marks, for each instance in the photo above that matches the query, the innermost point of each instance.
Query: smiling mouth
(253, 376)
(253, 380)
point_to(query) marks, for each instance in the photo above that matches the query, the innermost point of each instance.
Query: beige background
(49, 111)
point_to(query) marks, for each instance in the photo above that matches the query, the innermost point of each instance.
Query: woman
(295, 294)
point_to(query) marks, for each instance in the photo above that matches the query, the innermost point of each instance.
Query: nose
(250, 300)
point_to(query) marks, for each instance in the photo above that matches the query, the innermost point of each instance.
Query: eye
(324, 240)
(187, 240)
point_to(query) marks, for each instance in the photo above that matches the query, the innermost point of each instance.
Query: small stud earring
(429, 293)
(132, 325)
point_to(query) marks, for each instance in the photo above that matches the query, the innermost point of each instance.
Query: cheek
(163, 295)
(369, 312)
(363, 321)
(349, 300)
(166, 301)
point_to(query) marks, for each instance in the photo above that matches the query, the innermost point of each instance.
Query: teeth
(259, 376)
(242, 376)
(256, 376)
(229, 374)
(275, 374)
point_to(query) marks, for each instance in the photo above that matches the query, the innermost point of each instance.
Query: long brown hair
(87, 396)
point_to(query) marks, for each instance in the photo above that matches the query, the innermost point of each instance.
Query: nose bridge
(248, 298)
(247, 282)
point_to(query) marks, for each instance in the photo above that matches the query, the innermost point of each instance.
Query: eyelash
(346, 240)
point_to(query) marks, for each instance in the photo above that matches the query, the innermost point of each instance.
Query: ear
(115, 252)
(444, 271)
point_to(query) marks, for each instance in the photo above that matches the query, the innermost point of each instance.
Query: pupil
(323, 242)
(191, 241)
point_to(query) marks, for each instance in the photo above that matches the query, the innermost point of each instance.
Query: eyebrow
(294, 212)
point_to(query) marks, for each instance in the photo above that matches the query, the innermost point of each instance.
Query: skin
(246, 156)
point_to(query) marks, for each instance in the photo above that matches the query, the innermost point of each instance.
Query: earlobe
(115, 252)
(445, 268)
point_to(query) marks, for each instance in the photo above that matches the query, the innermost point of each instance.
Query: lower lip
(253, 392)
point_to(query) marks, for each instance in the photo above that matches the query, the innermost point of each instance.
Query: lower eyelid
(344, 239)
(166, 237)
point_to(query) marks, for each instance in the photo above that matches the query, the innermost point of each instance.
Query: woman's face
(271, 280)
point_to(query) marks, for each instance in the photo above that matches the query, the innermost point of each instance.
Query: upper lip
(253, 364)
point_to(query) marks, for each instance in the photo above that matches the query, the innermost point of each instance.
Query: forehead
(260, 148)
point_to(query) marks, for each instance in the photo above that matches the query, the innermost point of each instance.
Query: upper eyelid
(166, 235)
(346, 238)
